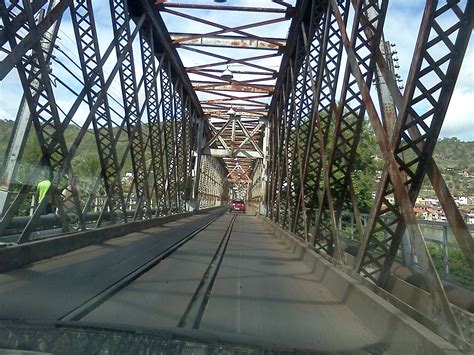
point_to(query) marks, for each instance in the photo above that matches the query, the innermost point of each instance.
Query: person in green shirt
(43, 190)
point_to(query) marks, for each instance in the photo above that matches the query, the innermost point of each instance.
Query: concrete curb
(399, 332)
(23, 254)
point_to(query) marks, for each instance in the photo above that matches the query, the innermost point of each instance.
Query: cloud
(401, 27)
(459, 120)
(402, 24)
(10, 96)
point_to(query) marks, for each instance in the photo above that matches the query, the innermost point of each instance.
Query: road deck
(262, 291)
(48, 289)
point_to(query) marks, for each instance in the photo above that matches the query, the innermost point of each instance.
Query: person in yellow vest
(44, 191)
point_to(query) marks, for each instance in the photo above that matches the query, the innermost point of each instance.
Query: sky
(401, 28)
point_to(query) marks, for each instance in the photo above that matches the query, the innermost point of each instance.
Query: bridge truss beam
(161, 150)
(145, 138)
(316, 129)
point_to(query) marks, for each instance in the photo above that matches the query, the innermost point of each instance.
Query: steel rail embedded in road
(197, 305)
(87, 307)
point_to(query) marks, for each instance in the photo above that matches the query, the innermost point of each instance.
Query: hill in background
(454, 157)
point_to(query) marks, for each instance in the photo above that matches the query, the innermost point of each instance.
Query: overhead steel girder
(226, 29)
(233, 86)
(226, 8)
(238, 153)
(235, 143)
(219, 34)
(195, 39)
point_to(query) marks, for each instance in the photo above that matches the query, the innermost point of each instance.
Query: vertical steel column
(349, 124)
(198, 162)
(319, 55)
(180, 140)
(263, 203)
(281, 151)
(324, 84)
(186, 150)
(168, 134)
(120, 17)
(83, 21)
(151, 77)
(300, 109)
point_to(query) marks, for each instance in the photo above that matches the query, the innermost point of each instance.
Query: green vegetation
(459, 271)
(450, 153)
(365, 168)
(85, 164)
(453, 157)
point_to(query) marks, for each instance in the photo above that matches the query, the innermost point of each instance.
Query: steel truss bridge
(188, 105)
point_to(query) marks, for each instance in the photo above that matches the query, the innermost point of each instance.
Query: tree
(366, 166)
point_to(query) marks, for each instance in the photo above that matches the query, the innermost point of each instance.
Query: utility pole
(389, 117)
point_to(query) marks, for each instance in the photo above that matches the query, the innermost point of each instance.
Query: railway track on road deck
(195, 310)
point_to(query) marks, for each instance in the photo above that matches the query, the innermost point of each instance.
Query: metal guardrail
(434, 232)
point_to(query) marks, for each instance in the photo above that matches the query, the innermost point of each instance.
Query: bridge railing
(438, 235)
(108, 118)
(318, 113)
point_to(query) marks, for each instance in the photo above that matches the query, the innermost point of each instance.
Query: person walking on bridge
(43, 191)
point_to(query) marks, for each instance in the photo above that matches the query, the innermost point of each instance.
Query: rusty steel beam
(458, 225)
(442, 311)
(238, 153)
(225, 8)
(227, 97)
(234, 86)
(235, 71)
(227, 29)
(195, 39)
(228, 60)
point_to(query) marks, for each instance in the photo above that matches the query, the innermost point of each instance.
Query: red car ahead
(237, 205)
